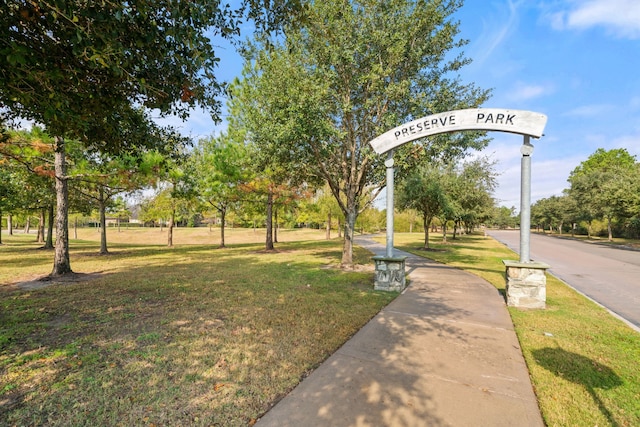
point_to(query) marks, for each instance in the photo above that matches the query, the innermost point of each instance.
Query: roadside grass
(582, 360)
(190, 335)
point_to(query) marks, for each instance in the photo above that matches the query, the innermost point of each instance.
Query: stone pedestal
(526, 284)
(390, 274)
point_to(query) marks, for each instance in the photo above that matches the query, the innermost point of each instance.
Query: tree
(8, 189)
(570, 212)
(259, 113)
(99, 176)
(504, 217)
(423, 190)
(177, 178)
(30, 156)
(353, 70)
(546, 212)
(554, 211)
(605, 186)
(78, 68)
(328, 208)
(219, 174)
(469, 187)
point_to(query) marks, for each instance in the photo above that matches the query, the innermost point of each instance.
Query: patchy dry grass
(26, 260)
(199, 235)
(155, 336)
(583, 361)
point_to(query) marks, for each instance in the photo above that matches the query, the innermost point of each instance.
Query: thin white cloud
(630, 142)
(548, 178)
(548, 175)
(494, 35)
(505, 149)
(619, 17)
(525, 92)
(590, 110)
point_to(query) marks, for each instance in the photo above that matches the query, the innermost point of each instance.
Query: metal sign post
(389, 164)
(525, 199)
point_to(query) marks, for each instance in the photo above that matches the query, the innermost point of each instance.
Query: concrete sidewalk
(444, 353)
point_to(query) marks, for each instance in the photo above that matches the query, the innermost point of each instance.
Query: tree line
(603, 198)
(216, 183)
(320, 80)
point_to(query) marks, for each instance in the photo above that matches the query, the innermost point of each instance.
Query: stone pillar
(390, 275)
(526, 284)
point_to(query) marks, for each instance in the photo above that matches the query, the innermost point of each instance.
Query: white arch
(483, 119)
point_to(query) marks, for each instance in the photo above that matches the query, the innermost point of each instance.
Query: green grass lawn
(196, 335)
(584, 363)
(186, 336)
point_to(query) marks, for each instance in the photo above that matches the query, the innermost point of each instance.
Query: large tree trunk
(102, 206)
(27, 225)
(9, 224)
(48, 244)
(170, 232)
(444, 231)
(41, 224)
(610, 232)
(223, 215)
(426, 222)
(349, 229)
(61, 262)
(269, 242)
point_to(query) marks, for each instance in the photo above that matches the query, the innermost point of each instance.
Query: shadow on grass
(582, 371)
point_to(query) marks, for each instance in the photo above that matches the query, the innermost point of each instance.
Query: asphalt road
(607, 275)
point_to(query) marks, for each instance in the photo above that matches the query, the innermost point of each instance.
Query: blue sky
(577, 61)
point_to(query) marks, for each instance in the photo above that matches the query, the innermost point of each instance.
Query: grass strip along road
(202, 336)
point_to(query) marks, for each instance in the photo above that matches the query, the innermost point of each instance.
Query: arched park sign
(390, 270)
(483, 119)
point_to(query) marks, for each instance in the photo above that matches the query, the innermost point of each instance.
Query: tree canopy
(425, 191)
(82, 68)
(606, 186)
(72, 65)
(350, 71)
(219, 162)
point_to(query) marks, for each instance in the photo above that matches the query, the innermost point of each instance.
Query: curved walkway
(444, 353)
